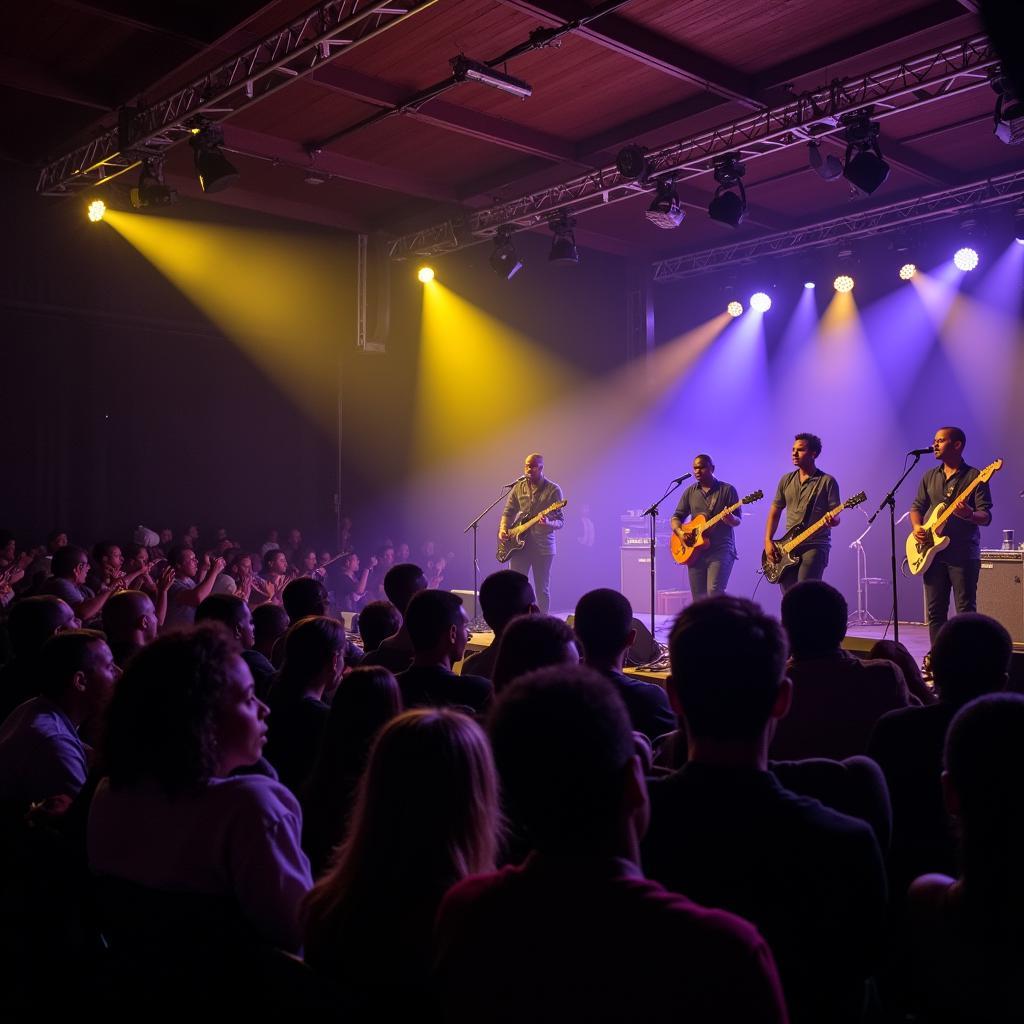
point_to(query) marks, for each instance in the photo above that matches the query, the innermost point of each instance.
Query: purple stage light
(760, 302)
(965, 259)
(809, 284)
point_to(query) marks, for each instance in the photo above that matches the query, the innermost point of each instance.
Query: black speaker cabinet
(1001, 590)
(635, 575)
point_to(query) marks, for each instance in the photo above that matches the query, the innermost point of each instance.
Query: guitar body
(683, 552)
(508, 547)
(773, 570)
(921, 553)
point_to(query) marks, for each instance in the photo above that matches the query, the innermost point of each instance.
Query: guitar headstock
(992, 467)
(753, 496)
(857, 499)
(554, 507)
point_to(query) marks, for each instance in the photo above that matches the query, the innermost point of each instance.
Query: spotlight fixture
(907, 271)
(1018, 225)
(843, 283)
(809, 285)
(666, 211)
(632, 163)
(965, 259)
(425, 274)
(863, 167)
(827, 167)
(1009, 112)
(465, 69)
(97, 210)
(734, 309)
(504, 261)
(214, 170)
(563, 245)
(729, 207)
(151, 190)
(760, 302)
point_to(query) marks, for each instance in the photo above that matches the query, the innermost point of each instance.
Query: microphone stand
(890, 500)
(474, 525)
(652, 512)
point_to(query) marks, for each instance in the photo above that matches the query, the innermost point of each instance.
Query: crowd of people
(210, 788)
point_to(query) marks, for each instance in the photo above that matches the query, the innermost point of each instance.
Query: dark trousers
(811, 567)
(940, 578)
(540, 562)
(711, 575)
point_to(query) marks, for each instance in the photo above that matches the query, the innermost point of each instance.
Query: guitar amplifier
(1001, 590)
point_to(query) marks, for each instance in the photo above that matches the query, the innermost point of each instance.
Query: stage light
(465, 69)
(632, 163)
(907, 271)
(729, 207)
(965, 259)
(1018, 222)
(1009, 112)
(734, 308)
(760, 302)
(828, 167)
(151, 190)
(843, 283)
(563, 245)
(666, 212)
(863, 167)
(504, 261)
(809, 285)
(214, 170)
(97, 210)
(425, 274)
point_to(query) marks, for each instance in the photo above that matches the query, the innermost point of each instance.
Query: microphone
(680, 479)
(922, 451)
(517, 479)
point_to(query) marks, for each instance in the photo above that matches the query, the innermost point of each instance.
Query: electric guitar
(513, 542)
(921, 553)
(785, 544)
(697, 528)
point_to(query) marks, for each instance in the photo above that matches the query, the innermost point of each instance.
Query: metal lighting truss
(949, 71)
(991, 192)
(317, 37)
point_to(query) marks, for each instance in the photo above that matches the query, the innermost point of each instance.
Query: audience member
(191, 587)
(504, 595)
(400, 584)
(603, 624)
(897, 653)
(837, 697)
(269, 624)
(378, 620)
(70, 567)
(236, 616)
(577, 932)
(530, 642)
(350, 583)
(438, 627)
(304, 597)
(426, 816)
(725, 832)
(274, 574)
(130, 622)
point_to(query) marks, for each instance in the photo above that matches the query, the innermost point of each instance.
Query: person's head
(815, 616)
(570, 775)
(386, 555)
(129, 618)
(402, 552)
(269, 623)
(272, 536)
(77, 671)
(728, 660)
(413, 833)
(136, 556)
(350, 563)
(56, 540)
(294, 538)
(437, 625)
(703, 469)
(184, 712)
(401, 582)
(604, 625)
(108, 555)
(314, 658)
(70, 563)
(377, 621)
(806, 449)
(275, 562)
(533, 467)
(890, 650)
(184, 561)
(8, 546)
(240, 566)
(33, 620)
(970, 657)
(308, 560)
(303, 597)
(232, 613)
(166, 536)
(949, 444)
(531, 642)
(504, 595)
(192, 533)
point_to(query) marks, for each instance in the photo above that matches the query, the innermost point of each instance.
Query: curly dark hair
(161, 722)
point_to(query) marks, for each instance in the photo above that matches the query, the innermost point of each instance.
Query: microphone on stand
(517, 479)
(680, 479)
(922, 451)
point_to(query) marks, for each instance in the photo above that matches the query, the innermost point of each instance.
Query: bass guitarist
(531, 493)
(957, 567)
(807, 494)
(709, 568)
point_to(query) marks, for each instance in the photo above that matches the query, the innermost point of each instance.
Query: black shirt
(805, 503)
(647, 704)
(522, 505)
(695, 502)
(964, 537)
(434, 686)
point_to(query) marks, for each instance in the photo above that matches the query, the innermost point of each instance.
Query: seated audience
(965, 937)
(400, 584)
(350, 583)
(426, 816)
(129, 622)
(365, 701)
(70, 568)
(314, 660)
(504, 595)
(437, 624)
(890, 650)
(274, 574)
(109, 572)
(304, 597)
(837, 697)
(377, 621)
(530, 642)
(269, 624)
(725, 831)
(236, 616)
(41, 752)
(970, 658)
(191, 586)
(577, 933)
(603, 624)
(169, 817)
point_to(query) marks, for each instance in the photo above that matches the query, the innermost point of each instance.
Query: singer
(710, 568)
(531, 493)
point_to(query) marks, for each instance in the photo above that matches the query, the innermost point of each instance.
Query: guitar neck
(721, 515)
(960, 497)
(523, 527)
(810, 531)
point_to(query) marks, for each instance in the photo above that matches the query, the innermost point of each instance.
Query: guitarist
(957, 567)
(709, 568)
(531, 493)
(807, 494)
